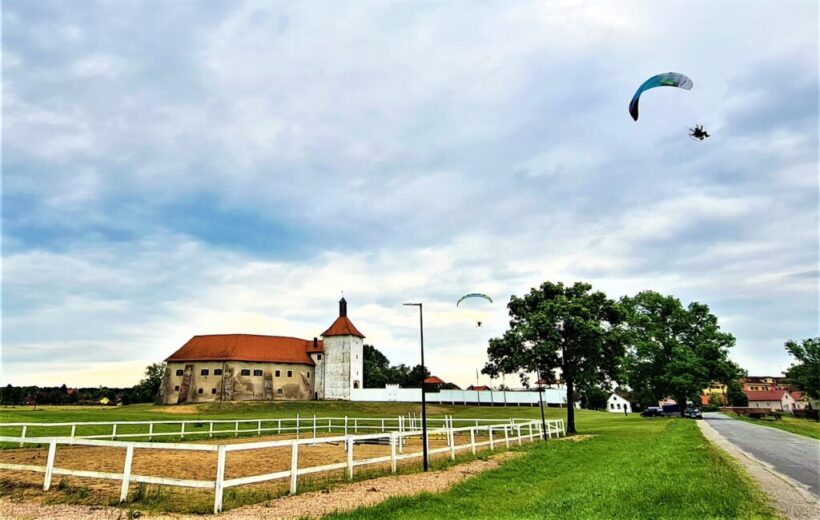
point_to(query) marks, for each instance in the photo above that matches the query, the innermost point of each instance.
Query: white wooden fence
(498, 434)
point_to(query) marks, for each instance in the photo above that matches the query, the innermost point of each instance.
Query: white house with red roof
(243, 367)
(771, 400)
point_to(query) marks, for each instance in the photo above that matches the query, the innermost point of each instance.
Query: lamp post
(423, 398)
(541, 402)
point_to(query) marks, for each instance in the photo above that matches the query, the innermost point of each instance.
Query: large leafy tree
(570, 328)
(805, 374)
(378, 372)
(675, 351)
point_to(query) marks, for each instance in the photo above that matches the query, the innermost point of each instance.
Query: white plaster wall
(343, 364)
(319, 377)
(616, 400)
(413, 395)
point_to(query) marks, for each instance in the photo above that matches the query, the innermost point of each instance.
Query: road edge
(784, 498)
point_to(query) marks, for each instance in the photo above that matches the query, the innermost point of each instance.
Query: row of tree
(650, 344)
(378, 371)
(143, 392)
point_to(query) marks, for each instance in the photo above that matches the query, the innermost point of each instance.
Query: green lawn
(805, 427)
(631, 467)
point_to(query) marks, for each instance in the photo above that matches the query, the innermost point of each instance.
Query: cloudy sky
(181, 168)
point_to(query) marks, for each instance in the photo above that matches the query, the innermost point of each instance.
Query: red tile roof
(796, 395)
(433, 380)
(480, 388)
(774, 395)
(342, 327)
(246, 347)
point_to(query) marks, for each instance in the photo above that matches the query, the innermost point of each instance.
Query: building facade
(244, 367)
(617, 404)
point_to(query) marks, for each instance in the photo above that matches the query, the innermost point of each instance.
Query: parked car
(693, 413)
(653, 411)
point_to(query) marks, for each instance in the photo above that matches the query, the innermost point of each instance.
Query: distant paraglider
(698, 133)
(474, 295)
(667, 79)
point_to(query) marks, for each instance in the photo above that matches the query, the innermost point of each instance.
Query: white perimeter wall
(413, 395)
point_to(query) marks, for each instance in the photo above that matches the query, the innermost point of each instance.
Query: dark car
(653, 411)
(693, 413)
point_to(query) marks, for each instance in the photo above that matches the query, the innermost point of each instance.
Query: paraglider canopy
(474, 295)
(667, 79)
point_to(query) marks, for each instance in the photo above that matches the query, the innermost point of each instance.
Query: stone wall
(231, 385)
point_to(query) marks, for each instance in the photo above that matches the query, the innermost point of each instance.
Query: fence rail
(395, 430)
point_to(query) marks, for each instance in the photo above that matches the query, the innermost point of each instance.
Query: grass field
(805, 427)
(630, 467)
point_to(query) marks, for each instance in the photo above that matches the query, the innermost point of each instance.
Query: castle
(244, 367)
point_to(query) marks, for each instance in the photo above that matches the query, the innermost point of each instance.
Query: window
(279, 391)
(217, 371)
(278, 373)
(611, 406)
(357, 356)
(213, 390)
(619, 406)
(290, 373)
(319, 357)
(176, 388)
(179, 372)
(246, 372)
(257, 372)
(199, 391)
(203, 372)
(308, 375)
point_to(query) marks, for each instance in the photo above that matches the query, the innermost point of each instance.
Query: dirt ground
(192, 465)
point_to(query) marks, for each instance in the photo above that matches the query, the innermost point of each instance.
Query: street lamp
(423, 398)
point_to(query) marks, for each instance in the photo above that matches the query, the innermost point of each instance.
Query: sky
(171, 169)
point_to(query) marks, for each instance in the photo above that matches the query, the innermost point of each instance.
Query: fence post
(350, 459)
(329, 422)
(52, 450)
(236, 432)
(114, 433)
(401, 437)
(151, 430)
(23, 434)
(297, 426)
(490, 430)
(519, 434)
(220, 478)
(563, 428)
(506, 435)
(345, 426)
(210, 429)
(314, 427)
(452, 441)
(472, 440)
(382, 425)
(355, 425)
(393, 439)
(278, 426)
(181, 430)
(73, 430)
(294, 465)
(126, 472)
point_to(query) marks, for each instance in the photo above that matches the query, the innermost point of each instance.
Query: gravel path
(314, 504)
(790, 498)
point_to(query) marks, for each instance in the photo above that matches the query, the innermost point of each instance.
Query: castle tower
(341, 367)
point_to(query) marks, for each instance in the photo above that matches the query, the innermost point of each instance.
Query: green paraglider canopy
(667, 79)
(474, 295)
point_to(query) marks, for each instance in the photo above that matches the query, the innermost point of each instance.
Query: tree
(147, 389)
(376, 368)
(805, 374)
(556, 327)
(735, 395)
(675, 351)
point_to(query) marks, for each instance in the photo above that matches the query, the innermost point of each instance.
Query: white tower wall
(343, 366)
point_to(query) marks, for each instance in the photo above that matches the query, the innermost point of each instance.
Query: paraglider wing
(667, 79)
(474, 295)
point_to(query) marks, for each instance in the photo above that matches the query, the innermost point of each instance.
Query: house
(763, 383)
(617, 404)
(801, 400)
(771, 400)
(242, 367)
(714, 389)
(480, 388)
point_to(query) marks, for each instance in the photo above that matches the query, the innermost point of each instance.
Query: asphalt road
(793, 455)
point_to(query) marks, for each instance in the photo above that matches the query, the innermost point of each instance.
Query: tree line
(143, 392)
(650, 344)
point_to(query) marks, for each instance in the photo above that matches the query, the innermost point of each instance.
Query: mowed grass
(630, 468)
(805, 427)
